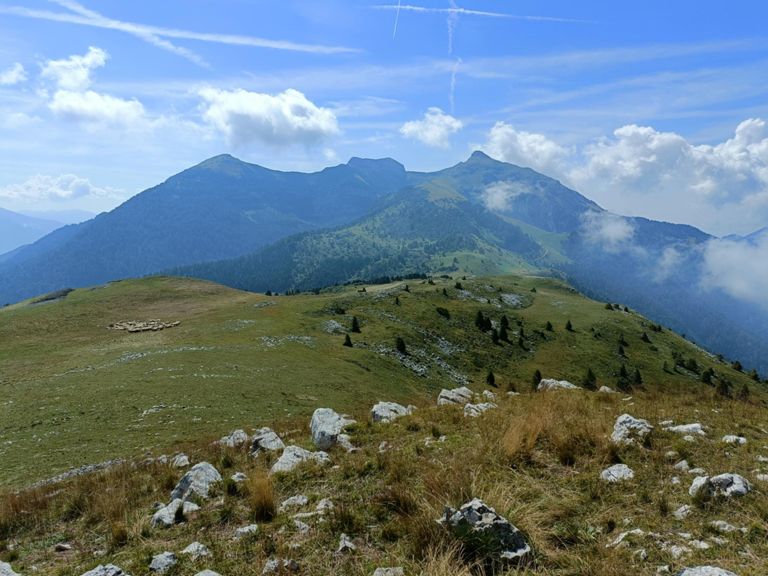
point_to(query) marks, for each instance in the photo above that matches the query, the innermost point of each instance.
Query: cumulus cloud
(97, 109)
(13, 75)
(738, 267)
(613, 233)
(434, 129)
(74, 73)
(56, 188)
(526, 149)
(499, 196)
(279, 120)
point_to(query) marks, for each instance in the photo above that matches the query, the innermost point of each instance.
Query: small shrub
(443, 312)
(261, 498)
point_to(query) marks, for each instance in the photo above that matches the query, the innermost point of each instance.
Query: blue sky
(654, 109)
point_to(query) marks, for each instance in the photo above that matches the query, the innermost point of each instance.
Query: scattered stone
(324, 506)
(622, 540)
(630, 430)
(494, 535)
(301, 527)
(297, 501)
(732, 439)
(180, 461)
(345, 441)
(108, 570)
(167, 516)
(384, 447)
(675, 550)
(671, 455)
(461, 395)
(163, 562)
(294, 455)
(143, 326)
(683, 466)
(345, 545)
(389, 572)
(474, 410)
(705, 487)
(326, 426)
(196, 550)
(762, 477)
(723, 527)
(551, 384)
(60, 547)
(207, 573)
(675, 480)
(687, 429)
(238, 477)
(276, 565)
(489, 396)
(265, 439)
(617, 473)
(196, 481)
(697, 471)
(234, 439)
(6, 570)
(388, 411)
(246, 530)
(705, 571)
(606, 390)
(683, 512)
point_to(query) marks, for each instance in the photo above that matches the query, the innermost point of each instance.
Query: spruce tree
(637, 378)
(397, 300)
(645, 338)
(550, 328)
(504, 321)
(621, 350)
(724, 386)
(495, 335)
(491, 379)
(590, 380)
(347, 341)
(480, 320)
(569, 326)
(400, 346)
(535, 380)
(503, 335)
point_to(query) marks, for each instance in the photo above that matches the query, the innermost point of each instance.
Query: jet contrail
(468, 12)
(397, 17)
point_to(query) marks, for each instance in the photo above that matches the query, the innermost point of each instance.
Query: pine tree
(406, 289)
(569, 326)
(737, 366)
(504, 322)
(522, 332)
(621, 350)
(397, 300)
(445, 292)
(550, 328)
(503, 335)
(355, 325)
(590, 380)
(622, 342)
(458, 286)
(724, 386)
(495, 335)
(521, 343)
(400, 346)
(744, 392)
(535, 380)
(706, 376)
(754, 375)
(623, 382)
(645, 338)
(491, 379)
(480, 320)
(347, 341)
(637, 378)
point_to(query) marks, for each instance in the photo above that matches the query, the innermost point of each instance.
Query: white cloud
(739, 268)
(434, 129)
(74, 73)
(499, 196)
(613, 233)
(13, 75)
(56, 188)
(281, 119)
(525, 148)
(97, 109)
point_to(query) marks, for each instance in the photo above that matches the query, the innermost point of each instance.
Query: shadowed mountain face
(259, 229)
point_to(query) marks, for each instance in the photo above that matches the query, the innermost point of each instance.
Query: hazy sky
(650, 108)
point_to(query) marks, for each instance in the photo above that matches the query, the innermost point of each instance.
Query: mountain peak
(356, 162)
(480, 156)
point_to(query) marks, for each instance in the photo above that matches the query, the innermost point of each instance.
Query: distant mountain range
(18, 229)
(258, 229)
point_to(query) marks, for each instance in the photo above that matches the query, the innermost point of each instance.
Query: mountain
(221, 208)
(63, 216)
(18, 229)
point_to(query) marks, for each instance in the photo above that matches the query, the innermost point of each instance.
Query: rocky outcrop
(551, 384)
(630, 430)
(487, 533)
(388, 411)
(475, 410)
(705, 571)
(723, 485)
(617, 473)
(234, 439)
(143, 325)
(461, 395)
(196, 482)
(173, 513)
(294, 455)
(326, 425)
(163, 562)
(266, 439)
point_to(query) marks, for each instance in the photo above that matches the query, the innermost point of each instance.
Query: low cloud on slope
(739, 268)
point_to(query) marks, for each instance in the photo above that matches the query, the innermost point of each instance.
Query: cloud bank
(55, 188)
(13, 75)
(434, 129)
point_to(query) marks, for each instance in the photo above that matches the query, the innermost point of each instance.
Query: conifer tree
(400, 345)
(590, 380)
(495, 335)
(637, 378)
(355, 325)
(491, 379)
(536, 379)
(569, 326)
(504, 321)
(550, 328)
(347, 341)
(503, 335)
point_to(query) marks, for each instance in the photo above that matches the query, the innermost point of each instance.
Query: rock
(689, 438)
(207, 573)
(723, 527)
(389, 572)
(196, 550)
(671, 455)
(705, 571)
(762, 477)
(731, 439)
(606, 390)
(683, 512)
(180, 461)
(266, 439)
(551, 384)
(687, 429)
(238, 477)
(345, 442)
(487, 532)
(683, 466)
(276, 565)
(345, 545)
(294, 455)
(163, 562)
(388, 411)
(234, 439)
(324, 505)
(166, 516)
(6, 570)
(246, 530)
(727, 485)
(622, 540)
(474, 410)
(196, 482)
(293, 502)
(617, 473)
(301, 527)
(61, 547)
(326, 426)
(384, 447)
(630, 430)
(108, 570)
(697, 471)
(461, 395)
(489, 396)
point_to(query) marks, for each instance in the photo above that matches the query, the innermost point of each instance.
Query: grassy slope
(74, 392)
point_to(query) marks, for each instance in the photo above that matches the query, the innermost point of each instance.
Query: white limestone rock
(163, 562)
(180, 461)
(705, 571)
(326, 425)
(552, 384)
(461, 395)
(196, 482)
(166, 516)
(298, 501)
(6, 570)
(294, 455)
(389, 411)
(196, 550)
(108, 570)
(617, 473)
(244, 531)
(280, 565)
(733, 439)
(345, 545)
(687, 429)
(725, 485)
(630, 430)
(475, 410)
(266, 439)
(234, 439)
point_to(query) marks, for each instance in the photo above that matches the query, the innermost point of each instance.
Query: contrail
(397, 17)
(467, 12)
(451, 22)
(455, 70)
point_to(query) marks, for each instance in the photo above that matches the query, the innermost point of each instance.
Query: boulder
(266, 439)
(727, 485)
(474, 410)
(196, 482)
(163, 562)
(6, 570)
(196, 550)
(461, 395)
(732, 439)
(326, 426)
(388, 411)
(617, 473)
(180, 461)
(234, 439)
(687, 429)
(165, 517)
(278, 565)
(630, 430)
(705, 571)
(493, 537)
(108, 570)
(294, 455)
(551, 384)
